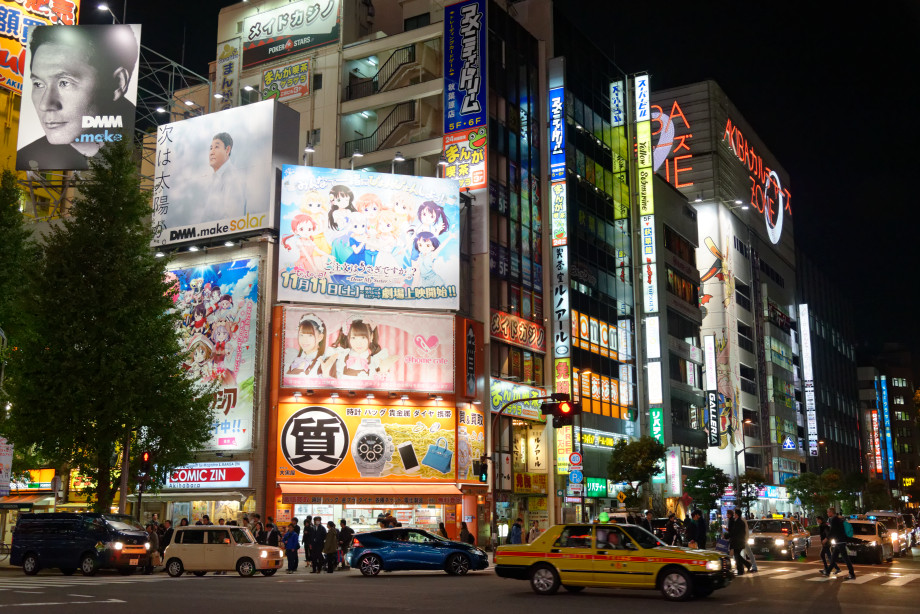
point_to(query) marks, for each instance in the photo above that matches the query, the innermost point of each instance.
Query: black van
(70, 541)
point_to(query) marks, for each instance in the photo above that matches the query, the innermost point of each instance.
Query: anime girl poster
(218, 303)
(369, 239)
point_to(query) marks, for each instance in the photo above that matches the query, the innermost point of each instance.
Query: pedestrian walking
(346, 534)
(671, 534)
(317, 544)
(748, 553)
(153, 558)
(291, 541)
(737, 540)
(331, 546)
(698, 529)
(838, 535)
(307, 540)
(442, 530)
(517, 532)
(465, 536)
(646, 523)
(534, 532)
(824, 530)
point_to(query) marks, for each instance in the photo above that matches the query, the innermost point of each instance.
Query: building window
(745, 337)
(681, 247)
(419, 21)
(742, 248)
(317, 81)
(743, 295)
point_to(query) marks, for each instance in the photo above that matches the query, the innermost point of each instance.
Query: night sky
(833, 94)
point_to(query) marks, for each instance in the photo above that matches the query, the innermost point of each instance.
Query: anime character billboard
(360, 238)
(367, 350)
(218, 304)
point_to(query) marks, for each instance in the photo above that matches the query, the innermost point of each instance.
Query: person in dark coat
(317, 543)
(670, 531)
(737, 539)
(838, 534)
(346, 533)
(824, 534)
(167, 536)
(273, 536)
(646, 523)
(307, 541)
(699, 530)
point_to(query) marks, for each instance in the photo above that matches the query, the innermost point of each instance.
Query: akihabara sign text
(209, 475)
(767, 195)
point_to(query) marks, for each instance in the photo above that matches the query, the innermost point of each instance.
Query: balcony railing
(369, 87)
(401, 114)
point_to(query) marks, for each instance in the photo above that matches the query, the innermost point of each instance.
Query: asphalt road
(779, 587)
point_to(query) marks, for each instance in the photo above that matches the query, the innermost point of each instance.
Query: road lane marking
(83, 596)
(902, 580)
(863, 578)
(764, 572)
(47, 603)
(795, 574)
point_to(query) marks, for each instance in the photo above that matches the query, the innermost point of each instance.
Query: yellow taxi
(576, 556)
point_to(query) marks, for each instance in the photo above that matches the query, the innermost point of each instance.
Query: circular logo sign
(314, 440)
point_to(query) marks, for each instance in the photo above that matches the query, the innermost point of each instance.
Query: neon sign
(669, 144)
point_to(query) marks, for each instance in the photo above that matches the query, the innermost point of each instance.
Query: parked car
(660, 526)
(896, 528)
(780, 538)
(576, 556)
(404, 549)
(71, 541)
(200, 549)
(871, 542)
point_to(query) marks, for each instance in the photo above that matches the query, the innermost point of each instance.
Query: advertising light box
(219, 308)
(19, 20)
(351, 442)
(69, 111)
(367, 350)
(369, 239)
(215, 174)
(292, 28)
(233, 474)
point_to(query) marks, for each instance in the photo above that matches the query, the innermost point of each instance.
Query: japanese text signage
(559, 213)
(656, 430)
(595, 487)
(556, 134)
(6, 463)
(368, 442)
(465, 153)
(501, 392)
(17, 18)
(293, 28)
(465, 65)
(367, 350)
(644, 153)
(286, 82)
(562, 319)
(234, 474)
(882, 383)
(218, 304)
(517, 331)
(712, 417)
(228, 74)
(471, 440)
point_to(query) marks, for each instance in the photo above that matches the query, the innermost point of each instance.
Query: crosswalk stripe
(765, 572)
(863, 578)
(795, 574)
(901, 581)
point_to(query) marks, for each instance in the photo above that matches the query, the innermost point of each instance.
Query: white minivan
(200, 549)
(896, 529)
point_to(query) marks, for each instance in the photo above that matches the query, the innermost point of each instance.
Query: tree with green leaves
(635, 462)
(876, 496)
(808, 489)
(705, 486)
(105, 366)
(749, 485)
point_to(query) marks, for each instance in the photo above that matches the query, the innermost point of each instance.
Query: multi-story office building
(826, 372)
(746, 261)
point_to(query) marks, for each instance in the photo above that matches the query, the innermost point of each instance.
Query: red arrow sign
(208, 475)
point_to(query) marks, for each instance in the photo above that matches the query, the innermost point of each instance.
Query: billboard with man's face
(215, 174)
(79, 93)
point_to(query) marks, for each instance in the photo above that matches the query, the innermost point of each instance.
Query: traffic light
(145, 463)
(562, 412)
(482, 469)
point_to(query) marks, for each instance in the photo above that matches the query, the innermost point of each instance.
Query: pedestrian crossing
(37, 583)
(880, 578)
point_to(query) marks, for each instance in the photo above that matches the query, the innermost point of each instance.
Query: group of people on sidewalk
(324, 547)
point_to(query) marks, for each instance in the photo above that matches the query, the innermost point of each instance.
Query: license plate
(765, 551)
(851, 552)
(134, 562)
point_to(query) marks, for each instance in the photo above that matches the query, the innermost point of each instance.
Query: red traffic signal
(565, 408)
(145, 463)
(146, 457)
(562, 412)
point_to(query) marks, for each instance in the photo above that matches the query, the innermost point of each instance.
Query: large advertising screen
(293, 28)
(79, 92)
(365, 441)
(367, 350)
(214, 175)
(361, 238)
(17, 19)
(219, 308)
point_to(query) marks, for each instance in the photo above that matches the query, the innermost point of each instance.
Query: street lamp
(397, 158)
(308, 149)
(102, 6)
(355, 154)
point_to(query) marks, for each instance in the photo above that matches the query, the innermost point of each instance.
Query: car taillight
(356, 544)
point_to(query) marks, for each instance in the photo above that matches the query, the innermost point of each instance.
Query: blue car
(401, 549)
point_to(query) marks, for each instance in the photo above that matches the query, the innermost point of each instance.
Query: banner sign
(68, 110)
(471, 440)
(369, 239)
(557, 134)
(465, 154)
(371, 500)
(502, 392)
(517, 331)
(227, 82)
(219, 308)
(293, 28)
(712, 418)
(209, 475)
(286, 82)
(465, 82)
(17, 19)
(214, 175)
(367, 350)
(367, 442)
(6, 462)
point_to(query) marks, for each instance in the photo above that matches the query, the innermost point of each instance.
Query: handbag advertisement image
(439, 457)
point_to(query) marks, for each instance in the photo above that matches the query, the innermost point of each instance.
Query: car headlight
(833, 542)
(751, 541)
(714, 565)
(894, 536)
(147, 545)
(118, 545)
(779, 542)
(872, 543)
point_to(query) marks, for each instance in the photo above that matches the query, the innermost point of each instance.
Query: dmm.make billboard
(290, 29)
(218, 304)
(367, 239)
(214, 174)
(349, 442)
(17, 18)
(367, 350)
(79, 93)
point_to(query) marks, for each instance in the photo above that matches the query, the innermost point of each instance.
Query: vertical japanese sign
(287, 82)
(6, 461)
(656, 430)
(228, 74)
(621, 196)
(712, 390)
(672, 467)
(712, 417)
(465, 93)
(807, 372)
(17, 18)
(219, 308)
(556, 134)
(876, 443)
(883, 384)
(644, 153)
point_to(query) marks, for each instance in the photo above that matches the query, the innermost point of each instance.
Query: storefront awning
(199, 495)
(373, 494)
(26, 502)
